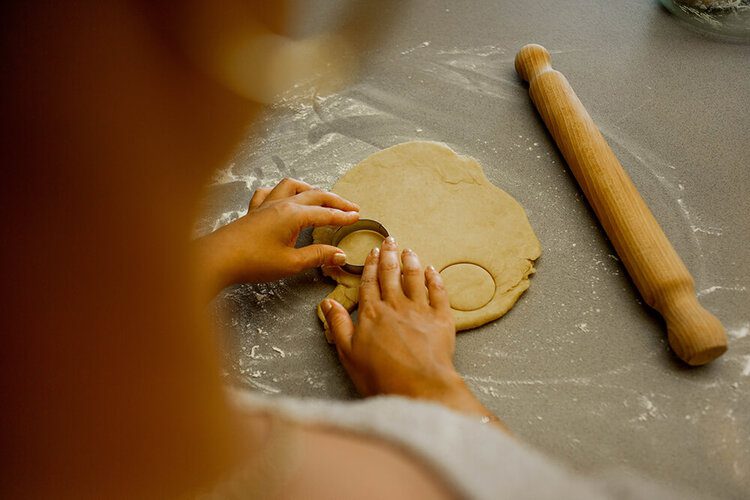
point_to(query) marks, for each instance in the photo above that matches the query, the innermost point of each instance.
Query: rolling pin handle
(695, 335)
(531, 61)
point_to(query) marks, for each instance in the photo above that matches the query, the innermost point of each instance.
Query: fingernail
(339, 259)
(326, 306)
(390, 241)
(408, 251)
(353, 212)
(431, 269)
(375, 252)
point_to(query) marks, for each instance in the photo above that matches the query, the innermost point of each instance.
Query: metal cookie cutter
(360, 225)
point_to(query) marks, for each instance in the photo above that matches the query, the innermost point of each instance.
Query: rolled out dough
(442, 206)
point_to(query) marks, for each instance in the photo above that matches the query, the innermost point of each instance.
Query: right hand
(405, 337)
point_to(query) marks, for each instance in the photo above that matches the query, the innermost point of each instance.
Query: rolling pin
(695, 335)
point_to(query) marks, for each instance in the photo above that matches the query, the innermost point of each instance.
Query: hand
(260, 246)
(405, 338)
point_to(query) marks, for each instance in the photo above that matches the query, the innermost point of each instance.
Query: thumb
(320, 255)
(339, 323)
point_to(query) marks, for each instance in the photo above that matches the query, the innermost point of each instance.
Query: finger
(288, 187)
(414, 278)
(436, 289)
(317, 256)
(369, 288)
(339, 324)
(389, 270)
(325, 199)
(322, 216)
(259, 196)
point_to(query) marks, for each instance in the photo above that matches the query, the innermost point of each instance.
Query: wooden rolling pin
(695, 335)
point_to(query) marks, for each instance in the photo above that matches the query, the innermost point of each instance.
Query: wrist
(211, 257)
(448, 389)
(453, 393)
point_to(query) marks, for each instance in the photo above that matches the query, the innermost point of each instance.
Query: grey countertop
(580, 367)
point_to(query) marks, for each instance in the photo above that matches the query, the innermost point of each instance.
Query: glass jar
(728, 19)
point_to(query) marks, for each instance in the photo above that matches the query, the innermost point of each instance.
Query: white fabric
(478, 460)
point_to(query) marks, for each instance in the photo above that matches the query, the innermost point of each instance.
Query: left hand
(260, 246)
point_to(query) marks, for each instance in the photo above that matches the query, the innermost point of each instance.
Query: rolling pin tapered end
(531, 61)
(695, 335)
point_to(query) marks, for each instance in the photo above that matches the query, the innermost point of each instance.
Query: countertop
(580, 367)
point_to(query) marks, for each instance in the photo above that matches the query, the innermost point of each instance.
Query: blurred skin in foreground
(114, 116)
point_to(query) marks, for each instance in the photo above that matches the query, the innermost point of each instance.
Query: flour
(717, 288)
(739, 332)
(420, 46)
(227, 175)
(651, 411)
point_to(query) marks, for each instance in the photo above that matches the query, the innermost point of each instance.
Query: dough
(469, 286)
(442, 206)
(358, 244)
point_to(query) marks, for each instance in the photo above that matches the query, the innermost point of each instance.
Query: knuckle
(336, 320)
(436, 284)
(448, 321)
(298, 264)
(367, 281)
(301, 259)
(368, 311)
(287, 208)
(389, 265)
(342, 354)
(320, 256)
(412, 271)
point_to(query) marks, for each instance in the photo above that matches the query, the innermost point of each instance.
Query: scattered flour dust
(716, 288)
(696, 225)
(412, 49)
(651, 411)
(739, 332)
(227, 175)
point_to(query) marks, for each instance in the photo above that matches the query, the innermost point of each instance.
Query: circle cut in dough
(469, 287)
(358, 244)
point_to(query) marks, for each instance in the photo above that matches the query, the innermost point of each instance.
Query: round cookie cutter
(360, 225)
